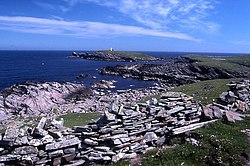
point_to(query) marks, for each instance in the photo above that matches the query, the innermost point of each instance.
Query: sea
(20, 66)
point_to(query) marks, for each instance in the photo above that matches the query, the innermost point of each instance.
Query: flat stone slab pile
(231, 103)
(122, 133)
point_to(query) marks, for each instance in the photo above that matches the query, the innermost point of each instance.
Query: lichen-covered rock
(24, 150)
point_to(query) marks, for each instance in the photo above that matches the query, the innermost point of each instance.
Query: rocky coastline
(123, 132)
(176, 71)
(51, 99)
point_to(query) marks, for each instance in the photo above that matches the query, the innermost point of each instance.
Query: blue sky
(133, 25)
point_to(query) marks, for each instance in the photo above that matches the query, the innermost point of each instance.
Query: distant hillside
(239, 63)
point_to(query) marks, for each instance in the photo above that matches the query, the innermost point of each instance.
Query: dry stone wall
(122, 133)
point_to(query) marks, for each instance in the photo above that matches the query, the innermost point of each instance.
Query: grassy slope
(134, 55)
(76, 119)
(221, 144)
(205, 91)
(233, 63)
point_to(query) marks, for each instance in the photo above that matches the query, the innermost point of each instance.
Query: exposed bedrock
(123, 132)
(52, 99)
(171, 73)
(35, 98)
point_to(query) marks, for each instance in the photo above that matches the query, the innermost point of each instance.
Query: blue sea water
(20, 66)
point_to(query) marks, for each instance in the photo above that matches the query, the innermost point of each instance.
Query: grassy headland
(132, 55)
(230, 63)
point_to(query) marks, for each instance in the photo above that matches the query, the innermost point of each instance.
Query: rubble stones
(236, 99)
(62, 144)
(124, 132)
(25, 150)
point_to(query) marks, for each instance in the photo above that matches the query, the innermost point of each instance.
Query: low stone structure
(122, 133)
(237, 99)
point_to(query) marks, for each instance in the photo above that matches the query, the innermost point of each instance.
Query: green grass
(133, 55)
(205, 91)
(76, 119)
(232, 63)
(241, 60)
(220, 144)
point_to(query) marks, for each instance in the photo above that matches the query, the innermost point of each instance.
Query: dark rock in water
(104, 84)
(82, 76)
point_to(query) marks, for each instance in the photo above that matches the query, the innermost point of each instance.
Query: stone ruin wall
(122, 133)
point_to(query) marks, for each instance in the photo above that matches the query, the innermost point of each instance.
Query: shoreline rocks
(60, 98)
(33, 98)
(123, 132)
(175, 72)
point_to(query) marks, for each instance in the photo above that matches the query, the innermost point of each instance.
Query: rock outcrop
(35, 98)
(230, 104)
(176, 72)
(68, 98)
(122, 133)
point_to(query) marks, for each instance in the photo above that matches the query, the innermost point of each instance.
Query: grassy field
(133, 55)
(76, 119)
(232, 63)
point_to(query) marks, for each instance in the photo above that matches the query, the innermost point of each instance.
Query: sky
(129, 25)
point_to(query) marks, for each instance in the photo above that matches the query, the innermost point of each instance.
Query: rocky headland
(177, 71)
(121, 56)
